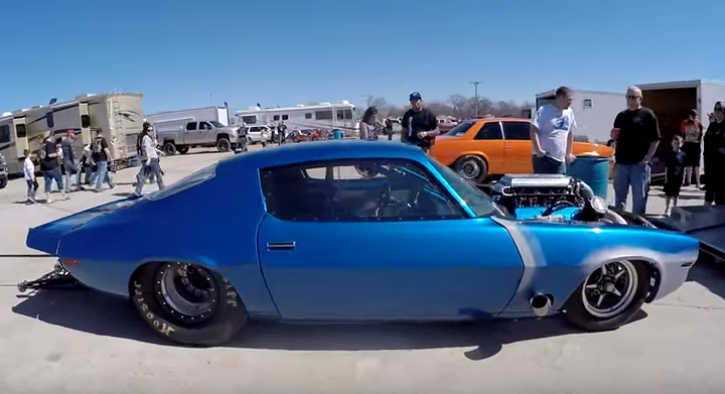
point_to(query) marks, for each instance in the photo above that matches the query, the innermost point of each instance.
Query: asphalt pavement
(83, 342)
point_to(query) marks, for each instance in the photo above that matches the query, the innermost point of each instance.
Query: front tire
(3, 182)
(223, 145)
(188, 304)
(610, 296)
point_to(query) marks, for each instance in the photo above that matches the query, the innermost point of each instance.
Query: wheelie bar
(59, 278)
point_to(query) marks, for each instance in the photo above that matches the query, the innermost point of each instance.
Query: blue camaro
(355, 231)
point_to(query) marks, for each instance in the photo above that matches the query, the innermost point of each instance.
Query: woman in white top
(370, 128)
(29, 172)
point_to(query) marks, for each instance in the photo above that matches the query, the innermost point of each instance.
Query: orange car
(478, 148)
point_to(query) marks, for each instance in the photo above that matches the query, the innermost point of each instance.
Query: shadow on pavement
(710, 275)
(105, 315)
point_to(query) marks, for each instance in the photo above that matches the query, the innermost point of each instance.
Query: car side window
(362, 190)
(204, 126)
(191, 126)
(516, 130)
(489, 131)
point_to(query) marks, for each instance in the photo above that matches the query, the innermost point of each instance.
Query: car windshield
(216, 124)
(479, 202)
(461, 129)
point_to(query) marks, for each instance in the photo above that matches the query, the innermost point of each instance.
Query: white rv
(13, 141)
(206, 114)
(324, 116)
(119, 116)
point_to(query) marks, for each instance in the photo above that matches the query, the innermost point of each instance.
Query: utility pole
(475, 93)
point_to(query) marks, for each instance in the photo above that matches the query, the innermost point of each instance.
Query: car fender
(478, 153)
(559, 256)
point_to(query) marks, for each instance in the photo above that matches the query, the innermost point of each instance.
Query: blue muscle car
(361, 231)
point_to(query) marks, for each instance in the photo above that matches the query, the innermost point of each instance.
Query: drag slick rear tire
(610, 296)
(187, 303)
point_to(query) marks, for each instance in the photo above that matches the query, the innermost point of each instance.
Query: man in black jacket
(420, 126)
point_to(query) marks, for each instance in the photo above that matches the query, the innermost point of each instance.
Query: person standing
(637, 136)
(674, 173)
(282, 131)
(552, 134)
(49, 157)
(420, 126)
(29, 173)
(691, 130)
(151, 165)
(101, 155)
(369, 127)
(69, 161)
(714, 157)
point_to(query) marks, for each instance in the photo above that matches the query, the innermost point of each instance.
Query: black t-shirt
(675, 163)
(637, 130)
(98, 149)
(416, 121)
(48, 163)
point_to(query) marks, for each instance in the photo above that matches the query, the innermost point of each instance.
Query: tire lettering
(166, 329)
(232, 303)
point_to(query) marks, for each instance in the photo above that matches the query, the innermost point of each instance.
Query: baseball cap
(415, 96)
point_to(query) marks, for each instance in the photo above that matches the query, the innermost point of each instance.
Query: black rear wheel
(610, 296)
(188, 303)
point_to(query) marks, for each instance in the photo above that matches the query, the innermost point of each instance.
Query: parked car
(479, 148)
(314, 241)
(181, 135)
(258, 135)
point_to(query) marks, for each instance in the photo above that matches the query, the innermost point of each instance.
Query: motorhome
(206, 114)
(13, 141)
(119, 117)
(324, 116)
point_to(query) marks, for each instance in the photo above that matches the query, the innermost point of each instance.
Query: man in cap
(69, 161)
(420, 126)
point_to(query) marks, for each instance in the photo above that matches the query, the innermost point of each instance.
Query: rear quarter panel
(448, 149)
(214, 224)
(559, 256)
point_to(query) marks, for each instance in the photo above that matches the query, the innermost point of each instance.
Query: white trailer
(205, 114)
(13, 140)
(324, 116)
(118, 116)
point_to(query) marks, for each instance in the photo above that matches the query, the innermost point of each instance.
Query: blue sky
(283, 52)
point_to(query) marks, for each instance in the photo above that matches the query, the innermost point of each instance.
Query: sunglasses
(631, 97)
(718, 108)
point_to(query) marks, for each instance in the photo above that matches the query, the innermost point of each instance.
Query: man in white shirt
(29, 172)
(552, 134)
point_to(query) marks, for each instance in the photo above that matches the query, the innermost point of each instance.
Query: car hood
(47, 237)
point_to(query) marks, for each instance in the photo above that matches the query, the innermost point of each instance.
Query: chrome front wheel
(610, 289)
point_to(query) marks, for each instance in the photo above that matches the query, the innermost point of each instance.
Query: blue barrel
(594, 170)
(337, 133)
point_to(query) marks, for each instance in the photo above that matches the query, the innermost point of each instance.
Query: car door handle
(280, 245)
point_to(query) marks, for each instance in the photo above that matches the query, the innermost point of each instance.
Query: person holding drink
(637, 135)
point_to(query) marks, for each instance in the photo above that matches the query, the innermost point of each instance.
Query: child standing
(675, 174)
(29, 172)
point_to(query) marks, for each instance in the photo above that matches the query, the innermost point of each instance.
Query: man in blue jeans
(637, 135)
(552, 134)
(101, 156)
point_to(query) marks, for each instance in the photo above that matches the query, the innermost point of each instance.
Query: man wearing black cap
(420, 126)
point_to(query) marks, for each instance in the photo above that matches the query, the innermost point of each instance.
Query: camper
(119, 116)
(13, 141)
(324, 116)
(217, 114)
